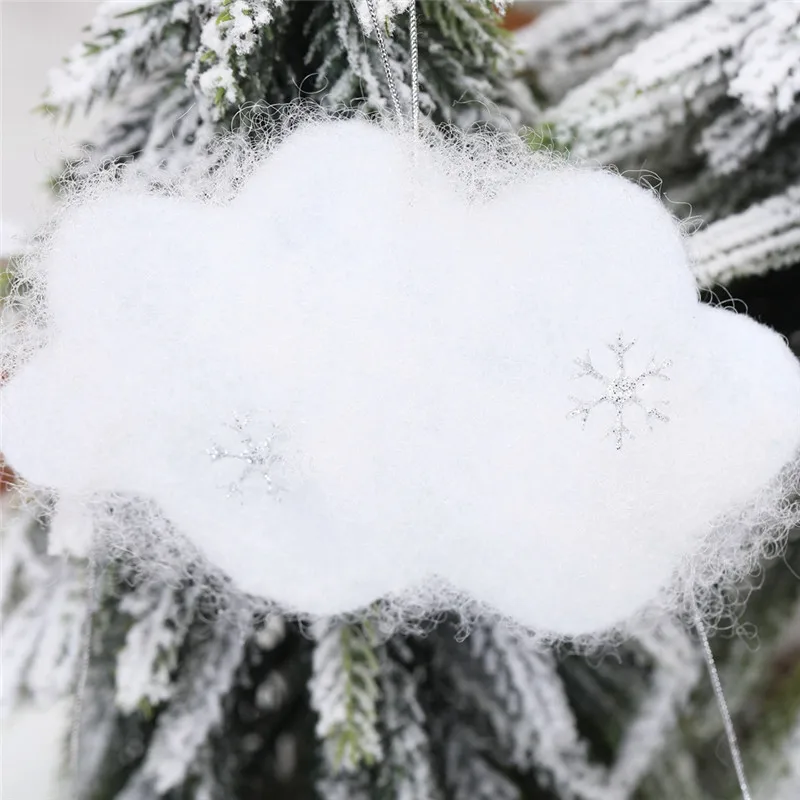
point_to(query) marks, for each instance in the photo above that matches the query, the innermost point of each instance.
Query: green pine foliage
(176, 72)
(344, 692)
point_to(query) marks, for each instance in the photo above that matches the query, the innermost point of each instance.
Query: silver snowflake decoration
(620, 391)
(259, 457)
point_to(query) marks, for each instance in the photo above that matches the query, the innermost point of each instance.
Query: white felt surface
(417, 355)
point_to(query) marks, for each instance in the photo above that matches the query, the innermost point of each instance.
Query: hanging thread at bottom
(730, 731)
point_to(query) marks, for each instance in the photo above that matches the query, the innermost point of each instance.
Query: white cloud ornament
(383, 368)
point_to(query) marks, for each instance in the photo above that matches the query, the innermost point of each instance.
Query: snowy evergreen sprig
(344, 692)
(766, 78)
(468, 774)
(763, 238)
(524, 690)
(677, 668)
(407, 771)
(45, 605)
(575, 41)
(136, 53)
(230, 32)
(178, 71)
(337, 785)
(707, 95)
(145, 665)
(196, 709)
(529, 714)
(654, 90)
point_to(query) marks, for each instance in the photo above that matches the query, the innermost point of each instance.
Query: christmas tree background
(699, 98)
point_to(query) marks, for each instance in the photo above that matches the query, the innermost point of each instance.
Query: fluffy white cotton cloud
(382, 364)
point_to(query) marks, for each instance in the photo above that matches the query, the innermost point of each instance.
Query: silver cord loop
(387, 68)
(413, 42)
(730, 731)
(413, 38)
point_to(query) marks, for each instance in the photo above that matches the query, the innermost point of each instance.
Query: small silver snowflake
(259, 457)
(620, 391)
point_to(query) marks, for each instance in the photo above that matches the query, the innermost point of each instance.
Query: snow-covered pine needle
(345, 693)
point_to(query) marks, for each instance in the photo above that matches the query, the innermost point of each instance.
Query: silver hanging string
(730, 731)
(83, 670)
(413, 43)
(387, 67)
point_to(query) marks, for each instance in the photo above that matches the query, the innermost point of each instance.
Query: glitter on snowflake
(259, 457)
(620, 391)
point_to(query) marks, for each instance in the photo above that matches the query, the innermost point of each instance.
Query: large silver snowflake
(620, 391)
(259, 457)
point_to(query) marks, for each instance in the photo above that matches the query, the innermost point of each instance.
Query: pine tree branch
(574, 41)
(765, 237)
(207, 675)
(407, 772)
(344, 693)
(145, 665)
(45, 607)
